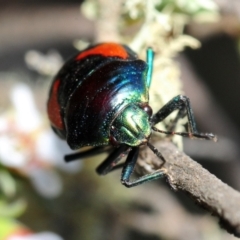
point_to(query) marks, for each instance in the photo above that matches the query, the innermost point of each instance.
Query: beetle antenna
(156, 152)
(207, 136)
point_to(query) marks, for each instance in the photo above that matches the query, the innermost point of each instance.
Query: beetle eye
(146, 108)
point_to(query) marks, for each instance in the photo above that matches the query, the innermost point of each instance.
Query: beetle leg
(85, 154)
(150, 58)
(110, 162)
(180, 103)
(172, 125)
(129, 167)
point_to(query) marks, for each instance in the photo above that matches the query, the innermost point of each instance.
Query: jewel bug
(100, 98)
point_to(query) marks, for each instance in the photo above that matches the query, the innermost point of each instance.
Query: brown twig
(189, 176)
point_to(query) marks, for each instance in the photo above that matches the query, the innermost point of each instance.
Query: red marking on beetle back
(106, 50)
(53, 107)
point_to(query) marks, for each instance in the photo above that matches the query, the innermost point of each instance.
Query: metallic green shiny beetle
(100, 97)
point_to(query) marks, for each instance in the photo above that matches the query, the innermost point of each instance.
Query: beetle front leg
(172, 125)
(180, 103)
(129, 167)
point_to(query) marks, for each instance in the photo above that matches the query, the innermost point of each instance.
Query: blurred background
(197, 53)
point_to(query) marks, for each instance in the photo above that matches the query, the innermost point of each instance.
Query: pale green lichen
(162, 24)
(159, 24)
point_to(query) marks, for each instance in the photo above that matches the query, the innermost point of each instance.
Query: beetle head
(131, 126)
